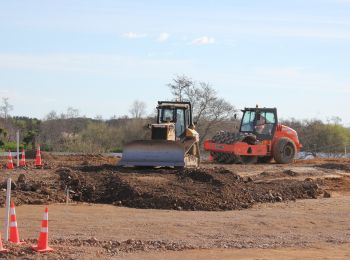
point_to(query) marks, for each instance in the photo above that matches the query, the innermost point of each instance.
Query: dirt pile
(199, 189)
(29, 188)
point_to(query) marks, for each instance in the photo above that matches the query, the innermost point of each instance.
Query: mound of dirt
(195, 189)
(32, 189)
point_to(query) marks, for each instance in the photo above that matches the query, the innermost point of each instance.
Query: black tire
(284, 150)
(224, 137)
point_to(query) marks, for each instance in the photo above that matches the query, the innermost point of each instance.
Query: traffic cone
(10, 162)
(38, 162)
(22, 163)
(43, 243)
(14, 235)
(2, 249)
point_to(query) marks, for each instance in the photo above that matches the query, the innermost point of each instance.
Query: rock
(247, 179)
(38, 201)
(21, 178)
(117, 203)
(290, 173)
(326, 194)
(279, 198)
(265, 173)
(45, 191)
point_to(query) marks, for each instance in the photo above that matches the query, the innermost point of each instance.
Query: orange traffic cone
(43, 243)
(14, 235)
(38, 162)
(22, 163)
(2, 249)
(10, 162)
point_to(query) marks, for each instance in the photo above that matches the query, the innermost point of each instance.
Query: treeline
(71, 132)
(89, 135)
(79, 134)
(317, 136)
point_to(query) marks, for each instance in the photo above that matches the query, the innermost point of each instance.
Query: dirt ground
(262, 211)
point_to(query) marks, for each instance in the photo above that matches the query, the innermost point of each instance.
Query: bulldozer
(174, 141)
(260, 139)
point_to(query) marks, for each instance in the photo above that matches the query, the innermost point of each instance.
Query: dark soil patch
(195, 189)
(166, 188)
(335, 166)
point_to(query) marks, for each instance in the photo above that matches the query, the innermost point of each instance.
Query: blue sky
(100, 56)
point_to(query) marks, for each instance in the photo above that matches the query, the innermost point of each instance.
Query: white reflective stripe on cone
(46, 216)
(13, 224)
(45, 230)
(12, 211)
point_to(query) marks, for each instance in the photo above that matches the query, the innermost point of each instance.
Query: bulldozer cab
(261, 122)
(178, 113)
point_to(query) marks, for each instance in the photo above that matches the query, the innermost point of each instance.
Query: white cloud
(163, 37)
(203, 40)
(133, 35)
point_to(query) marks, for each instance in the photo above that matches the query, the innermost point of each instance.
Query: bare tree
(51, 115)
(138, 109)
(72, 112)
(6, 107)
(181, 86)
(209, 111)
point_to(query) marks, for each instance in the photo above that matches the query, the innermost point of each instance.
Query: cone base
(4, 250)
(17, 243)
(48, 249)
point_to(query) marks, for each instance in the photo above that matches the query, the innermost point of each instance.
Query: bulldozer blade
(153, 153)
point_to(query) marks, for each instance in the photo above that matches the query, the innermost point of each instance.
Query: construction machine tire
(284, 150)
(224, 137)
(245, 159)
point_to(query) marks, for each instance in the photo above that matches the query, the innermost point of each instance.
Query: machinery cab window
(265, 123)
(174, 115)
(180, 124)
(248, 121)
(261, 122)
(167, 115)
